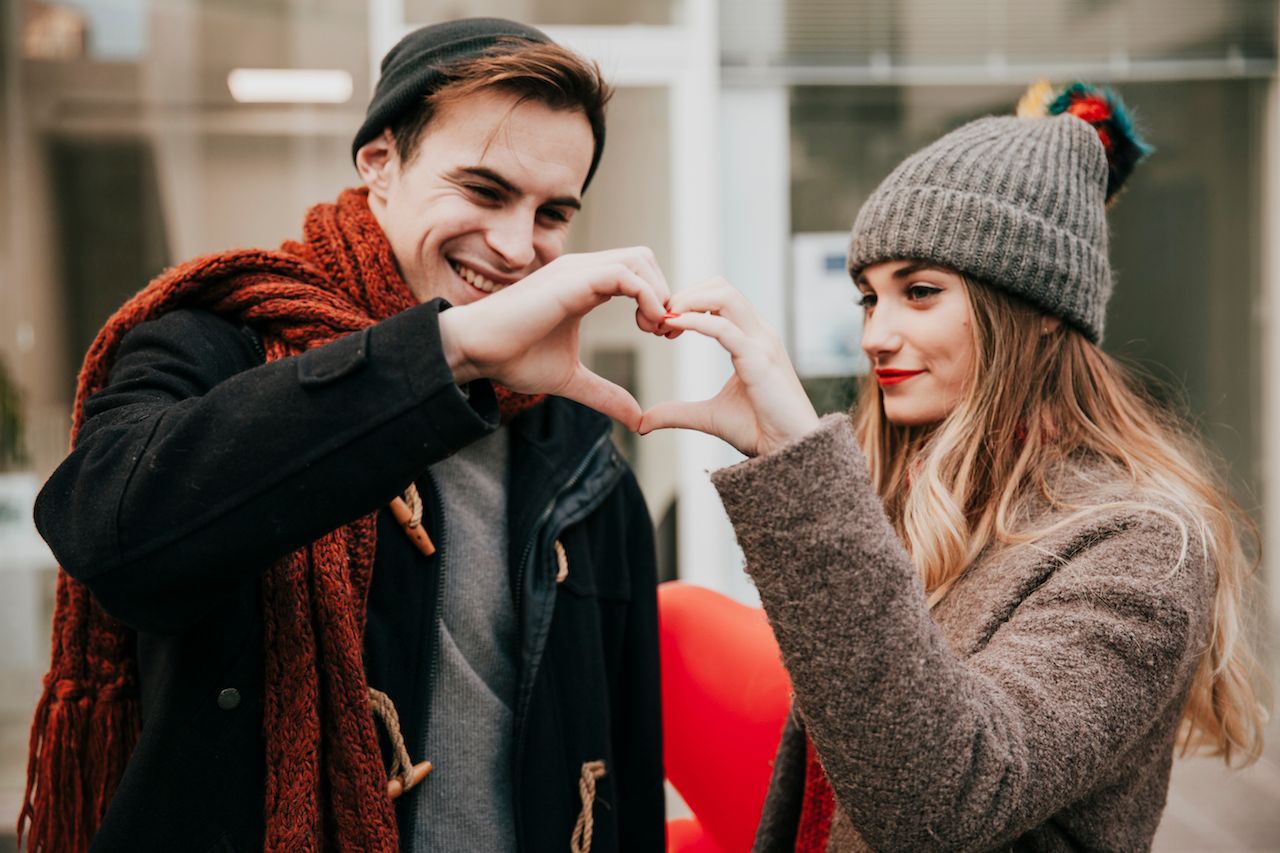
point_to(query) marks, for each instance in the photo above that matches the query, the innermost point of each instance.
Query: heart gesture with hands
(526, 336)
(763, 406)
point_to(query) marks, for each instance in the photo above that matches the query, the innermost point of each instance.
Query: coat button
(229, 699)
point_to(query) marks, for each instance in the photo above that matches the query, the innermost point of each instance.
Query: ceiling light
(289, 85)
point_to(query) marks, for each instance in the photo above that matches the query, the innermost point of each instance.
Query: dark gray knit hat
(413, 69)
(1018, 203)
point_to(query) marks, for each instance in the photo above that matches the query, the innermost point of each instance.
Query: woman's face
(917, 334)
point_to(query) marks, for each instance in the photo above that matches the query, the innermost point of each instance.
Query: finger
(677, 414)
(620, 280)
(644, 263)
(667, 332)
(595, 391)
(395, 787)
(718, 296)
(644, 324)
(576, 285)
(661, 328)
(723, 330)
(664, 329)
(655, 274)
(641, 261)
(591, 287)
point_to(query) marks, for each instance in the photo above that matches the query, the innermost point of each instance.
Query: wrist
(453, 332)
(802, 428)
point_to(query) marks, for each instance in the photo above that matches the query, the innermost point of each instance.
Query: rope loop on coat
(562, 562)
(580, 841)
(384, 710)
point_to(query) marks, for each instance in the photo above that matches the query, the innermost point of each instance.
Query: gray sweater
(1035, 709)
(466, 802)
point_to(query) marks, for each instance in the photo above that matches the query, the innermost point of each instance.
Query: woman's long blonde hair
(1034, 403)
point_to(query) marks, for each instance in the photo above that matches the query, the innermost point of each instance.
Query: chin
(464, 297)
(910, 418)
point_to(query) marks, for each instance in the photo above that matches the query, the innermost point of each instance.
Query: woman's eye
(917, 292)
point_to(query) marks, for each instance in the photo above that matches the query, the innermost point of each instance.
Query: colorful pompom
(1101, 107)
(1035, 101)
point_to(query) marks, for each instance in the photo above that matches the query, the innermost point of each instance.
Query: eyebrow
(490, 175)
(912, 269)
(903, 272)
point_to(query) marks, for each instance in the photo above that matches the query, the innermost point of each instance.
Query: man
(329, 563)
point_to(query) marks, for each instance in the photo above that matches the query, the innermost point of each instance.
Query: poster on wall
(826, 317)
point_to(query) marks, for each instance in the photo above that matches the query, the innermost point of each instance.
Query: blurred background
(744, 136)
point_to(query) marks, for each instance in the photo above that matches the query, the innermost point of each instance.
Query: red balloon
(725, 698)
(685, 835)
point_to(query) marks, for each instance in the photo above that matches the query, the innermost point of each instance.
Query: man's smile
(477, 279)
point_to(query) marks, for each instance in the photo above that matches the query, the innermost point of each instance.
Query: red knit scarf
(818, 807)
(325, 783)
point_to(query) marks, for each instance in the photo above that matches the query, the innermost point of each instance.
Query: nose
(511, 236)
(880, 336)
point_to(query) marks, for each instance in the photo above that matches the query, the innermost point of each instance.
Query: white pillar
(706, 552)
(386, 27)
(1270, 232)
(755, 196)
(755, 193)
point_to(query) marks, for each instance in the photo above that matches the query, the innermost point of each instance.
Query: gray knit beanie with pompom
(1017, 203)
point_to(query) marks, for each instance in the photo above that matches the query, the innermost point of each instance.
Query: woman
(1009, 586)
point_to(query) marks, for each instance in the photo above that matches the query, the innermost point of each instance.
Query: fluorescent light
(289, 85)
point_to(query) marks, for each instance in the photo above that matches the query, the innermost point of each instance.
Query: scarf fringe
(78, 750)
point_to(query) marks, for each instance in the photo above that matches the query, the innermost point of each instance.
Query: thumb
(605, 397)
(677, 414)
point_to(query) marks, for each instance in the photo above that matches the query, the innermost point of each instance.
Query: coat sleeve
(638, 725)
(198, 465)
(924, 750)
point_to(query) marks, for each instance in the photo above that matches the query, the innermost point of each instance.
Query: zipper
(524, 691)
(433, 669)
(546, 515)
(255, 340)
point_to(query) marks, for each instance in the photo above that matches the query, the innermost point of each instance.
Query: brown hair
(1035, 403)
(532, 71)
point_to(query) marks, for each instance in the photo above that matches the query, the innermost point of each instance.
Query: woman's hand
(526, 336)
(762, 406)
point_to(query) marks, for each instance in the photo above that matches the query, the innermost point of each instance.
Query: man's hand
(762, 406)
(526, 336)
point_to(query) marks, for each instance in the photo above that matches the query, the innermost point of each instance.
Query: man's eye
(867, 300)
(483, 192)
(555, 214)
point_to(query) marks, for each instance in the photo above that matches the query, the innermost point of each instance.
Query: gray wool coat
(1035, 708)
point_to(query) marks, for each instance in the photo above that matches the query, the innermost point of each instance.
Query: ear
(377, 161)
(1050, 324)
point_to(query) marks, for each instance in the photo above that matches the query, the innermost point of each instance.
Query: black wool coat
(198, 466)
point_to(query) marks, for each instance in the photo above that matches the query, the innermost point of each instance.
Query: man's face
(488, 198)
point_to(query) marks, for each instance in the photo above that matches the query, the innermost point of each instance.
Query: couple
(348, 570)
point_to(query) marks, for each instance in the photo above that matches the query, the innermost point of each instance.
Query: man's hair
(532, 71)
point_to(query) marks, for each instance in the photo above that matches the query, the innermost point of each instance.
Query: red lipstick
(893, 377)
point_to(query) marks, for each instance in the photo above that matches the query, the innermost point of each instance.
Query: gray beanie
(1018, 203)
